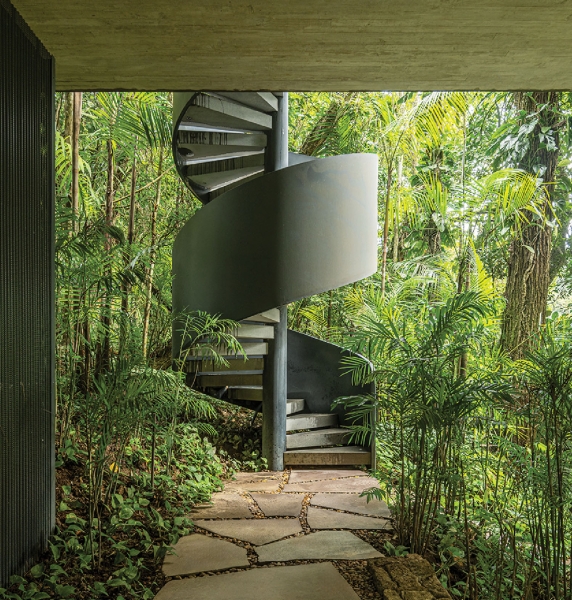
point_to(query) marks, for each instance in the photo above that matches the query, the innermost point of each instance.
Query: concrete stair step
(229, 379)
(217, 112)
(250, 393)
(345, 455)
(294, 405)
(268, 316)
(311, 421)
(264, 101)
(320, 437)
(209, 138)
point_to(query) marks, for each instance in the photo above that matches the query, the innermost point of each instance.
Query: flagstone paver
(328, 545)
(355, 484)
(263, 476)
(320, 581)
(321, 518)
(257, 531)
(279, 505)
(224, 506)
(271, 486)
(231, 515)
(196, 553)
(352, 503)
(302, 476)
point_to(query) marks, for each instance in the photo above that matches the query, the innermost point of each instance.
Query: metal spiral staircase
(275, 227)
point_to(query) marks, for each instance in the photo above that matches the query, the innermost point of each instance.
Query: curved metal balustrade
(263, 239)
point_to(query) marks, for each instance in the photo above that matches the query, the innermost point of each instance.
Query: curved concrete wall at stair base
(315, 374)
(294, 233)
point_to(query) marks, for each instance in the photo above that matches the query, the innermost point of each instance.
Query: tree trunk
(386, 226)
(130, 233)
(105, 346)
(152, 256)
(110, 191)
(529, 261)
(77, 99)
(68, 116)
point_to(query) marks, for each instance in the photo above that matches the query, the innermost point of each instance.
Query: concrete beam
(306, 44)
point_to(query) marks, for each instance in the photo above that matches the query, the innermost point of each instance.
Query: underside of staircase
(266, 237)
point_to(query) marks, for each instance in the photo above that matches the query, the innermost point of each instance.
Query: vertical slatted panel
(27, 474)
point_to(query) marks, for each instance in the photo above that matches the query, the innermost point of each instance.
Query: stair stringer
(290, 234)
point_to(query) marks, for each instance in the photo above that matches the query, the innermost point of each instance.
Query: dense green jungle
(465, 330)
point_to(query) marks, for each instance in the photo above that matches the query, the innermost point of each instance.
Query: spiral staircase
(275, 227)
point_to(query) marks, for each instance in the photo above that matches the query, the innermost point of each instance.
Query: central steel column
(275, 376)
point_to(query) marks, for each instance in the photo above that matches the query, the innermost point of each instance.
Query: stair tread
(218, 138)
(329, 429)
(248, 394)
(202, 153)
(228, 380)
(210, 182)
(255, 331)
(332, 436)
(294, 405)
(264, 101)
(340, 456)
(306, 415)
(336, 450)
(312, 421)
(217, 111)
(268, 316)
(251, 349)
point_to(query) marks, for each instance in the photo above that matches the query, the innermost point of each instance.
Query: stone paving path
(246, 540)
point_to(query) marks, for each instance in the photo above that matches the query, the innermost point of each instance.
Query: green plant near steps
(475, 454)
(137, 527)
(138, 432)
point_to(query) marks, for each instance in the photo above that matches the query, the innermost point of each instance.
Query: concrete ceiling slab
(306, 44)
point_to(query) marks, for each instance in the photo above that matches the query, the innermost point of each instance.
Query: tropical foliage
(473, 428)
(465, 330)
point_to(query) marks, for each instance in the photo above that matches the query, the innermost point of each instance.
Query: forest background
(466, 325)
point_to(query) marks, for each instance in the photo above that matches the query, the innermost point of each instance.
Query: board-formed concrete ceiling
(306, 44)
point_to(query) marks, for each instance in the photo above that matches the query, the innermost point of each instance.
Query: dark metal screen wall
(27, 482)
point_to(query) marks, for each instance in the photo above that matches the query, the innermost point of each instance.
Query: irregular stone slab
(197, 553)
(260, 476)
(352, 503)
(320, 581)
(410, 577)
(255, 531)
(303, 476)
(271, 486)
(224, 506)
(279, 505)
(329, 545)
(348, 484)
(319, 518)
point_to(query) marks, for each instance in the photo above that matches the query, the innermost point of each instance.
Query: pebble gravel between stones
(355, 572)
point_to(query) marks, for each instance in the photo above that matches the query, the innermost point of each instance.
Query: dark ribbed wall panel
(27, 483)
